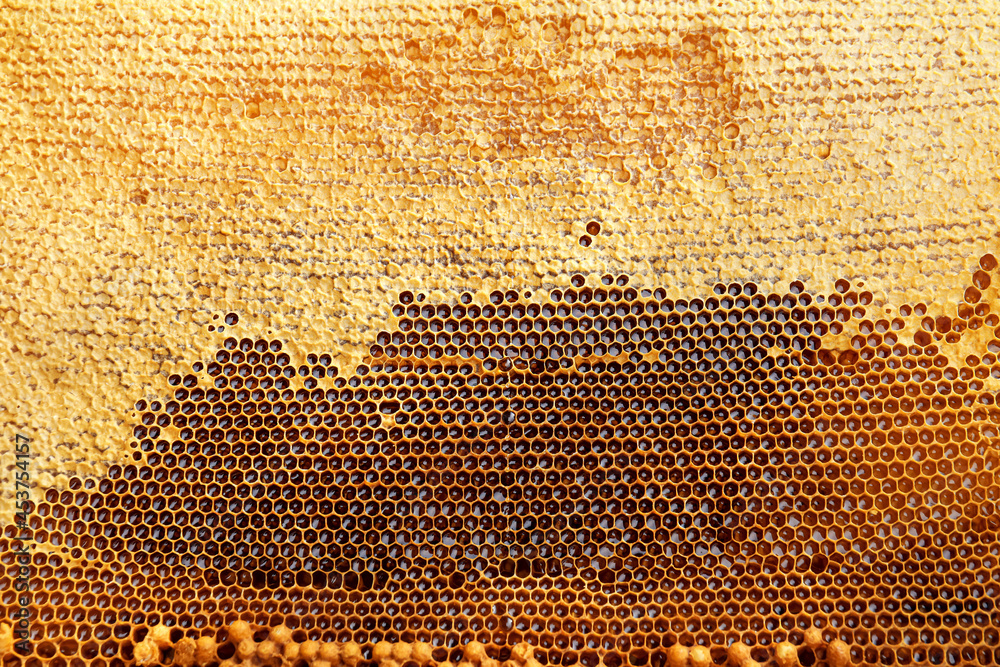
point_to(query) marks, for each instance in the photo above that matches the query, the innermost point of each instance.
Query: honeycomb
(599, 475)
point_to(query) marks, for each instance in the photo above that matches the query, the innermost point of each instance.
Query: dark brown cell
(607, 474)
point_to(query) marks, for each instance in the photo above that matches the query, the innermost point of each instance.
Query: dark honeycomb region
(603, 475)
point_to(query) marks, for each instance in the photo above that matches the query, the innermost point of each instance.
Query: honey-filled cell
(600, 476)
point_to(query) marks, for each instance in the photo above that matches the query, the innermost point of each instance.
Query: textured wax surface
(304, 166)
